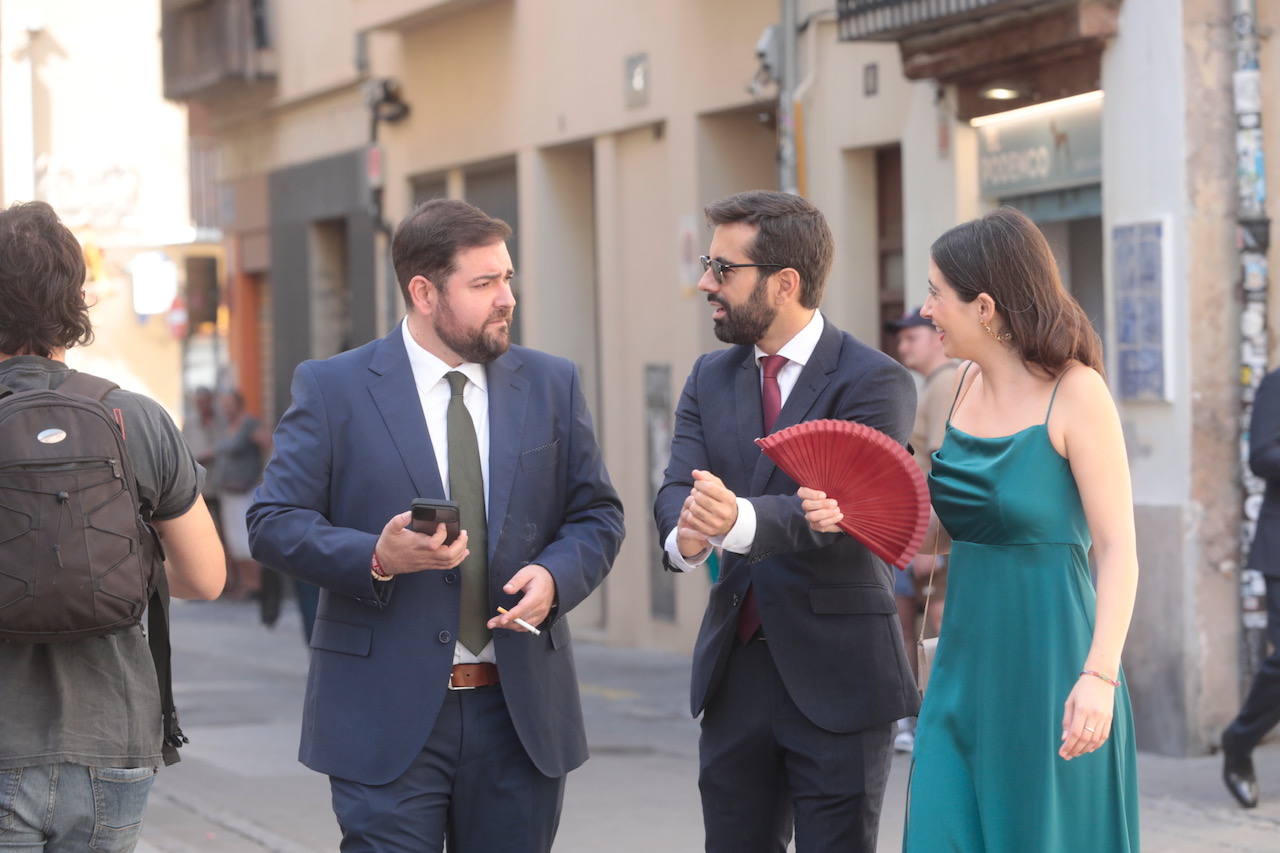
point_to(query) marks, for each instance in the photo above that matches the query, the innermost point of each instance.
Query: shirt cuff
(679, 561)
(742, 535)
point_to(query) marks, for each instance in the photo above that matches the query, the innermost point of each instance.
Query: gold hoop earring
(1002, 337)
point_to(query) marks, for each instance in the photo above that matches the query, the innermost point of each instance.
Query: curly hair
(42, 272)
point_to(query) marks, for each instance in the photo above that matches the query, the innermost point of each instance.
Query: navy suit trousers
(473, 784)
(1261, 711)
(766, 768)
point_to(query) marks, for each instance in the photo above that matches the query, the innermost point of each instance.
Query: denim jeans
(58, 808)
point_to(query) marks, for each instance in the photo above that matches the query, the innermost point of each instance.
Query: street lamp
(385, 103)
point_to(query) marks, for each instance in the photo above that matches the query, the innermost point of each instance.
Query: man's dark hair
(42, 307)
(792, 232)
(428, 240)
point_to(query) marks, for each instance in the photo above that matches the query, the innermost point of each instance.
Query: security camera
(769, 57)
(769, 52)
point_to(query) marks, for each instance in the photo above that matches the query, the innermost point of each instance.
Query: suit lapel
(747, 409)
(812, 381)
(395, 394)
(508, 406)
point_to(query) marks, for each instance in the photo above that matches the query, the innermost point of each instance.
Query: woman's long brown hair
(1004, 255)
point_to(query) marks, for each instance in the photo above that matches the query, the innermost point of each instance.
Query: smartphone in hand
(428, 514)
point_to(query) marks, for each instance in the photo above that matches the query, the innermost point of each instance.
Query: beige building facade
(601, 129)
(84, 126)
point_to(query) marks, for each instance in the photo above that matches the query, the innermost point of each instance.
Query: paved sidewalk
(240, 788)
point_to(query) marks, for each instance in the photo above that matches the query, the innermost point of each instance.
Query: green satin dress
(1017, 626)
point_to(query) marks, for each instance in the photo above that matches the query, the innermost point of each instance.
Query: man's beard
(748, 322)
(481, 345)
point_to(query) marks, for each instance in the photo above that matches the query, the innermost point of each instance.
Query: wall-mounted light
(636, 80)
(1004, 90)
(385, 101)
(870, 79)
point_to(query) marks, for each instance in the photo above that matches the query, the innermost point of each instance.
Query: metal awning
(894, 20)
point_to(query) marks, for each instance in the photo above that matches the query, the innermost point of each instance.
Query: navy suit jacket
(352, 451)
(826, 602)
(1264, 461)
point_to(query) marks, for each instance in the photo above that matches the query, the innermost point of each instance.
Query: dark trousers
(1261, 711)
(765, 767)
(473, 784)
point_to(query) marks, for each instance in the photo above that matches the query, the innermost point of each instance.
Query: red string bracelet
(375, 568)
(1112, 681)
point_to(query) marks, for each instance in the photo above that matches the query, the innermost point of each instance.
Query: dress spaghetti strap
(1054, 395)
(959, 389)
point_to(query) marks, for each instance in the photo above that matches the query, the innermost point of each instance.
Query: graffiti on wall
(1252, 231)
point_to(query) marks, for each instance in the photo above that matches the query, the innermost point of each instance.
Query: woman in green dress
(1025, 742)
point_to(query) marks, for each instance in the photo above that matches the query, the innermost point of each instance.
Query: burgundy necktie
(771, 404)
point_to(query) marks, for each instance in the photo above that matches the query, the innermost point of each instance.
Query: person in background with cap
(920, 349)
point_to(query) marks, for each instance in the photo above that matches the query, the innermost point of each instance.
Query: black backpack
(78, 555)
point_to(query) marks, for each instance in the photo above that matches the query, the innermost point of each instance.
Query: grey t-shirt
(95, 701)
(239, 458)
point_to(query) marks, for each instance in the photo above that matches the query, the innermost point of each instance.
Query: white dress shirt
(433, 394)
(797, 351)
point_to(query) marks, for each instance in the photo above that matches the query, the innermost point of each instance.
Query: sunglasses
(718, 267)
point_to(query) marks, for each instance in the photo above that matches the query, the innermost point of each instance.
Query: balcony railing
(214, 45)
(893, 20)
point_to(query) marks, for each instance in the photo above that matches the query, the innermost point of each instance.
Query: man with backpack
(93, 480)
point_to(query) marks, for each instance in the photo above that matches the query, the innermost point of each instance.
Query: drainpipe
(386, 106)
(1253, 229)
(786, 99)
(808, 28)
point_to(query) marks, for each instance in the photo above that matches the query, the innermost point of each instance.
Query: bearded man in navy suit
(799, 670)
(433, 715)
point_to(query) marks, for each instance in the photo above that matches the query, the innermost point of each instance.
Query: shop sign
(1044, 147)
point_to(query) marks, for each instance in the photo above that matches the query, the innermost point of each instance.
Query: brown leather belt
(467, 675)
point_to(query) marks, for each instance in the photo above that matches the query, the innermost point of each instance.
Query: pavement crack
(248, 830)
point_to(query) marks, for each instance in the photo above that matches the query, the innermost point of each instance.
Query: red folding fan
(879, 487)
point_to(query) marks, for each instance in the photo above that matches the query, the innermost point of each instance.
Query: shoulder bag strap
(928, 595)
(158, 640)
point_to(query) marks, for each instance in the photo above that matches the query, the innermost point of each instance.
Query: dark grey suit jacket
(826, 602)
(1264, 460)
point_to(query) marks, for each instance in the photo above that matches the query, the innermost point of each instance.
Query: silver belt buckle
(464, 687)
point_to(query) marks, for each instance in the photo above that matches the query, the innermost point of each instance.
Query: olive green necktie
(466, 488)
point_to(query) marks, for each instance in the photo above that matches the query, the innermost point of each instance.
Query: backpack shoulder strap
(87, 385)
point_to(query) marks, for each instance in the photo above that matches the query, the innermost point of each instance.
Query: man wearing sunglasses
(798, 670)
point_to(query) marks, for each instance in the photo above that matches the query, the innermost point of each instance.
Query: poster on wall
(1137, 253)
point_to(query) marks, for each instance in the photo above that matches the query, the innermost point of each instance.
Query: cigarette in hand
(523, 624)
